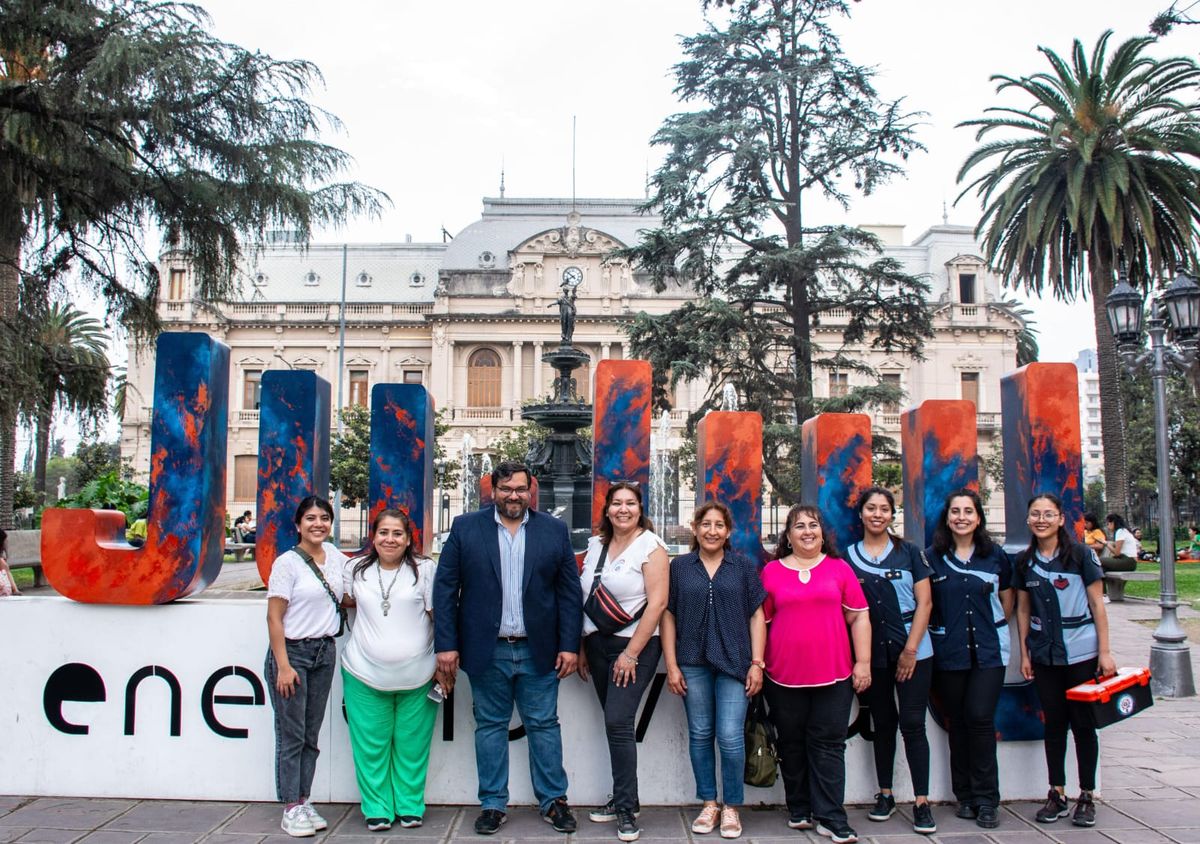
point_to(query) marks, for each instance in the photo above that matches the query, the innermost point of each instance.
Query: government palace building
(471, 317)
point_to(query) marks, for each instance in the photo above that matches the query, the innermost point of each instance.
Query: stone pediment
(571, 240)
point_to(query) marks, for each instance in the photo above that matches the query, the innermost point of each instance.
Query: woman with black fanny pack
(304, 614)
(1064, 642)
(895, 579)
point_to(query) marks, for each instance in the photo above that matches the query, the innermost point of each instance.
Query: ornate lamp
(1124, 307)
(1182, 300)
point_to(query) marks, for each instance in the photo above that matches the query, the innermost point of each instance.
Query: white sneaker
(318, 822)
(296, 822)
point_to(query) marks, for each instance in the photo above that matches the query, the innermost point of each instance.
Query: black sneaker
(627, 828)
(1085, 811)
(1055, 808)
(409, 821)
(378, 824)
(840, 833)
(489, 822)
(923, 819)
(800, 820)
(559, 816)
(987, 817)
(966, 811)
(608, 812)
(885, 807)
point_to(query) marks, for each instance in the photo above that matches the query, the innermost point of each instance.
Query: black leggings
(881, 698)
(969, 700)
(1052, 682)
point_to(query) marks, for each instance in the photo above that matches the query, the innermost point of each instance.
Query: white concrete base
(192, 639)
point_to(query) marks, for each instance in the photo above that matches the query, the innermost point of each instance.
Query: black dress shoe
(489, 822)
(966, 811)
(987, 818)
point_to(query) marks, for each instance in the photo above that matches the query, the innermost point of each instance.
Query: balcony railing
(246, 417)
(483, 414)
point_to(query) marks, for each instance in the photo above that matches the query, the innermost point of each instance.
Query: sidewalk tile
(9, 834)
(175, 816)
(1158, 814)
(174, 838)
(67, 813)
(10, 802)
(1079, 835)
(50, 836)
(104, 836)
(437, 823)
(1190, 835)
(222, 838)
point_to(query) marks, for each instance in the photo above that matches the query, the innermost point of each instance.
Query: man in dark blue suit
(508, 607)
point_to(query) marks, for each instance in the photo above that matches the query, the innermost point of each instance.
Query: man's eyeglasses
(512, 490)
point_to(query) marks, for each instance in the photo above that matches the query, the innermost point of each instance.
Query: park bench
(240, 550)
(25, 552)
(1114, 582)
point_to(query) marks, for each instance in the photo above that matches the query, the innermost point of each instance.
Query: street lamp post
(1170, 657)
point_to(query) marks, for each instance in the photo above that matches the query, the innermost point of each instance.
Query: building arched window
(483, 379)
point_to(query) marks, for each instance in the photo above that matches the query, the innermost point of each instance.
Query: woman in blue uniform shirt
(1064, 641)
(895, 579)
(972, 598)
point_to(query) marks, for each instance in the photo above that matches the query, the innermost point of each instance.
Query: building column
(450, 373)
(604, 348)
(537, 369)
(518, 365)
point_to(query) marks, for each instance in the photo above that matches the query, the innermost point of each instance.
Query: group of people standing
(810, 630)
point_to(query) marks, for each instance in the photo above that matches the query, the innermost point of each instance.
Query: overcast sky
(435, 97)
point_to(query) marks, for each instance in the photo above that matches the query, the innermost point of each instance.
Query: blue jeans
(716, 707)
(298, 717)
(510, 679)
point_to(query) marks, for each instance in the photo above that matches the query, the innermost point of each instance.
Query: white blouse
(310, 612)
(622, 577)
(391, 652)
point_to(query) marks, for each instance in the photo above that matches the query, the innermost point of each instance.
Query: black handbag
(761, 758)
(602, 608)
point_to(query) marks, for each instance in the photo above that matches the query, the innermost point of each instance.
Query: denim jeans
(715, 704)
(298, 717)
(510, 679)
(620, 705)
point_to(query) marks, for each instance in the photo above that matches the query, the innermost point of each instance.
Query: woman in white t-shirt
(304, 594)
(1122, 548)
(388, 670)
(622, 664)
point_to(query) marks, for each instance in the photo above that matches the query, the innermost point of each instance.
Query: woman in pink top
(812, 597)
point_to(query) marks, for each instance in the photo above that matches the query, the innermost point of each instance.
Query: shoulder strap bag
(602, 608)
(312, 565)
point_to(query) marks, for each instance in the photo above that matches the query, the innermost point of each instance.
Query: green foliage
(446, 471)
(781, 111)
(1095, 165)
(24, 496)
(1093, 499)
(111, 492)
(122, 117)
(888, 475)
(60, 467)
(98, 458)
(350, 456)
(991, 469)
(517, 442)
(1183, 442)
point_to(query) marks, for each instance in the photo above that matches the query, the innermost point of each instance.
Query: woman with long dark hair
(1121, 550)
(1064, 642)
(388, 672)
(629, 559)
(304, 614)
(895, 578)
(972, 599)
(713, 635)
(812, 673)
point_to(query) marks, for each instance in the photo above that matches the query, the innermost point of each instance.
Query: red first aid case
(1115, 698)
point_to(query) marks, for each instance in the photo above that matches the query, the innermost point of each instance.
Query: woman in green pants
(387, 671)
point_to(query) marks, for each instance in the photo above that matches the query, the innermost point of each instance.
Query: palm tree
(68, 362)
(1100, 167)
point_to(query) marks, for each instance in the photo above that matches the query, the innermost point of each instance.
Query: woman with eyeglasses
(1064, 642)
(713, 635)
(895, 578)
(815, 609)
(972, 599)
(630, 561)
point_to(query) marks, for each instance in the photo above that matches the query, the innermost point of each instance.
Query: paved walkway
(1150, 774)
